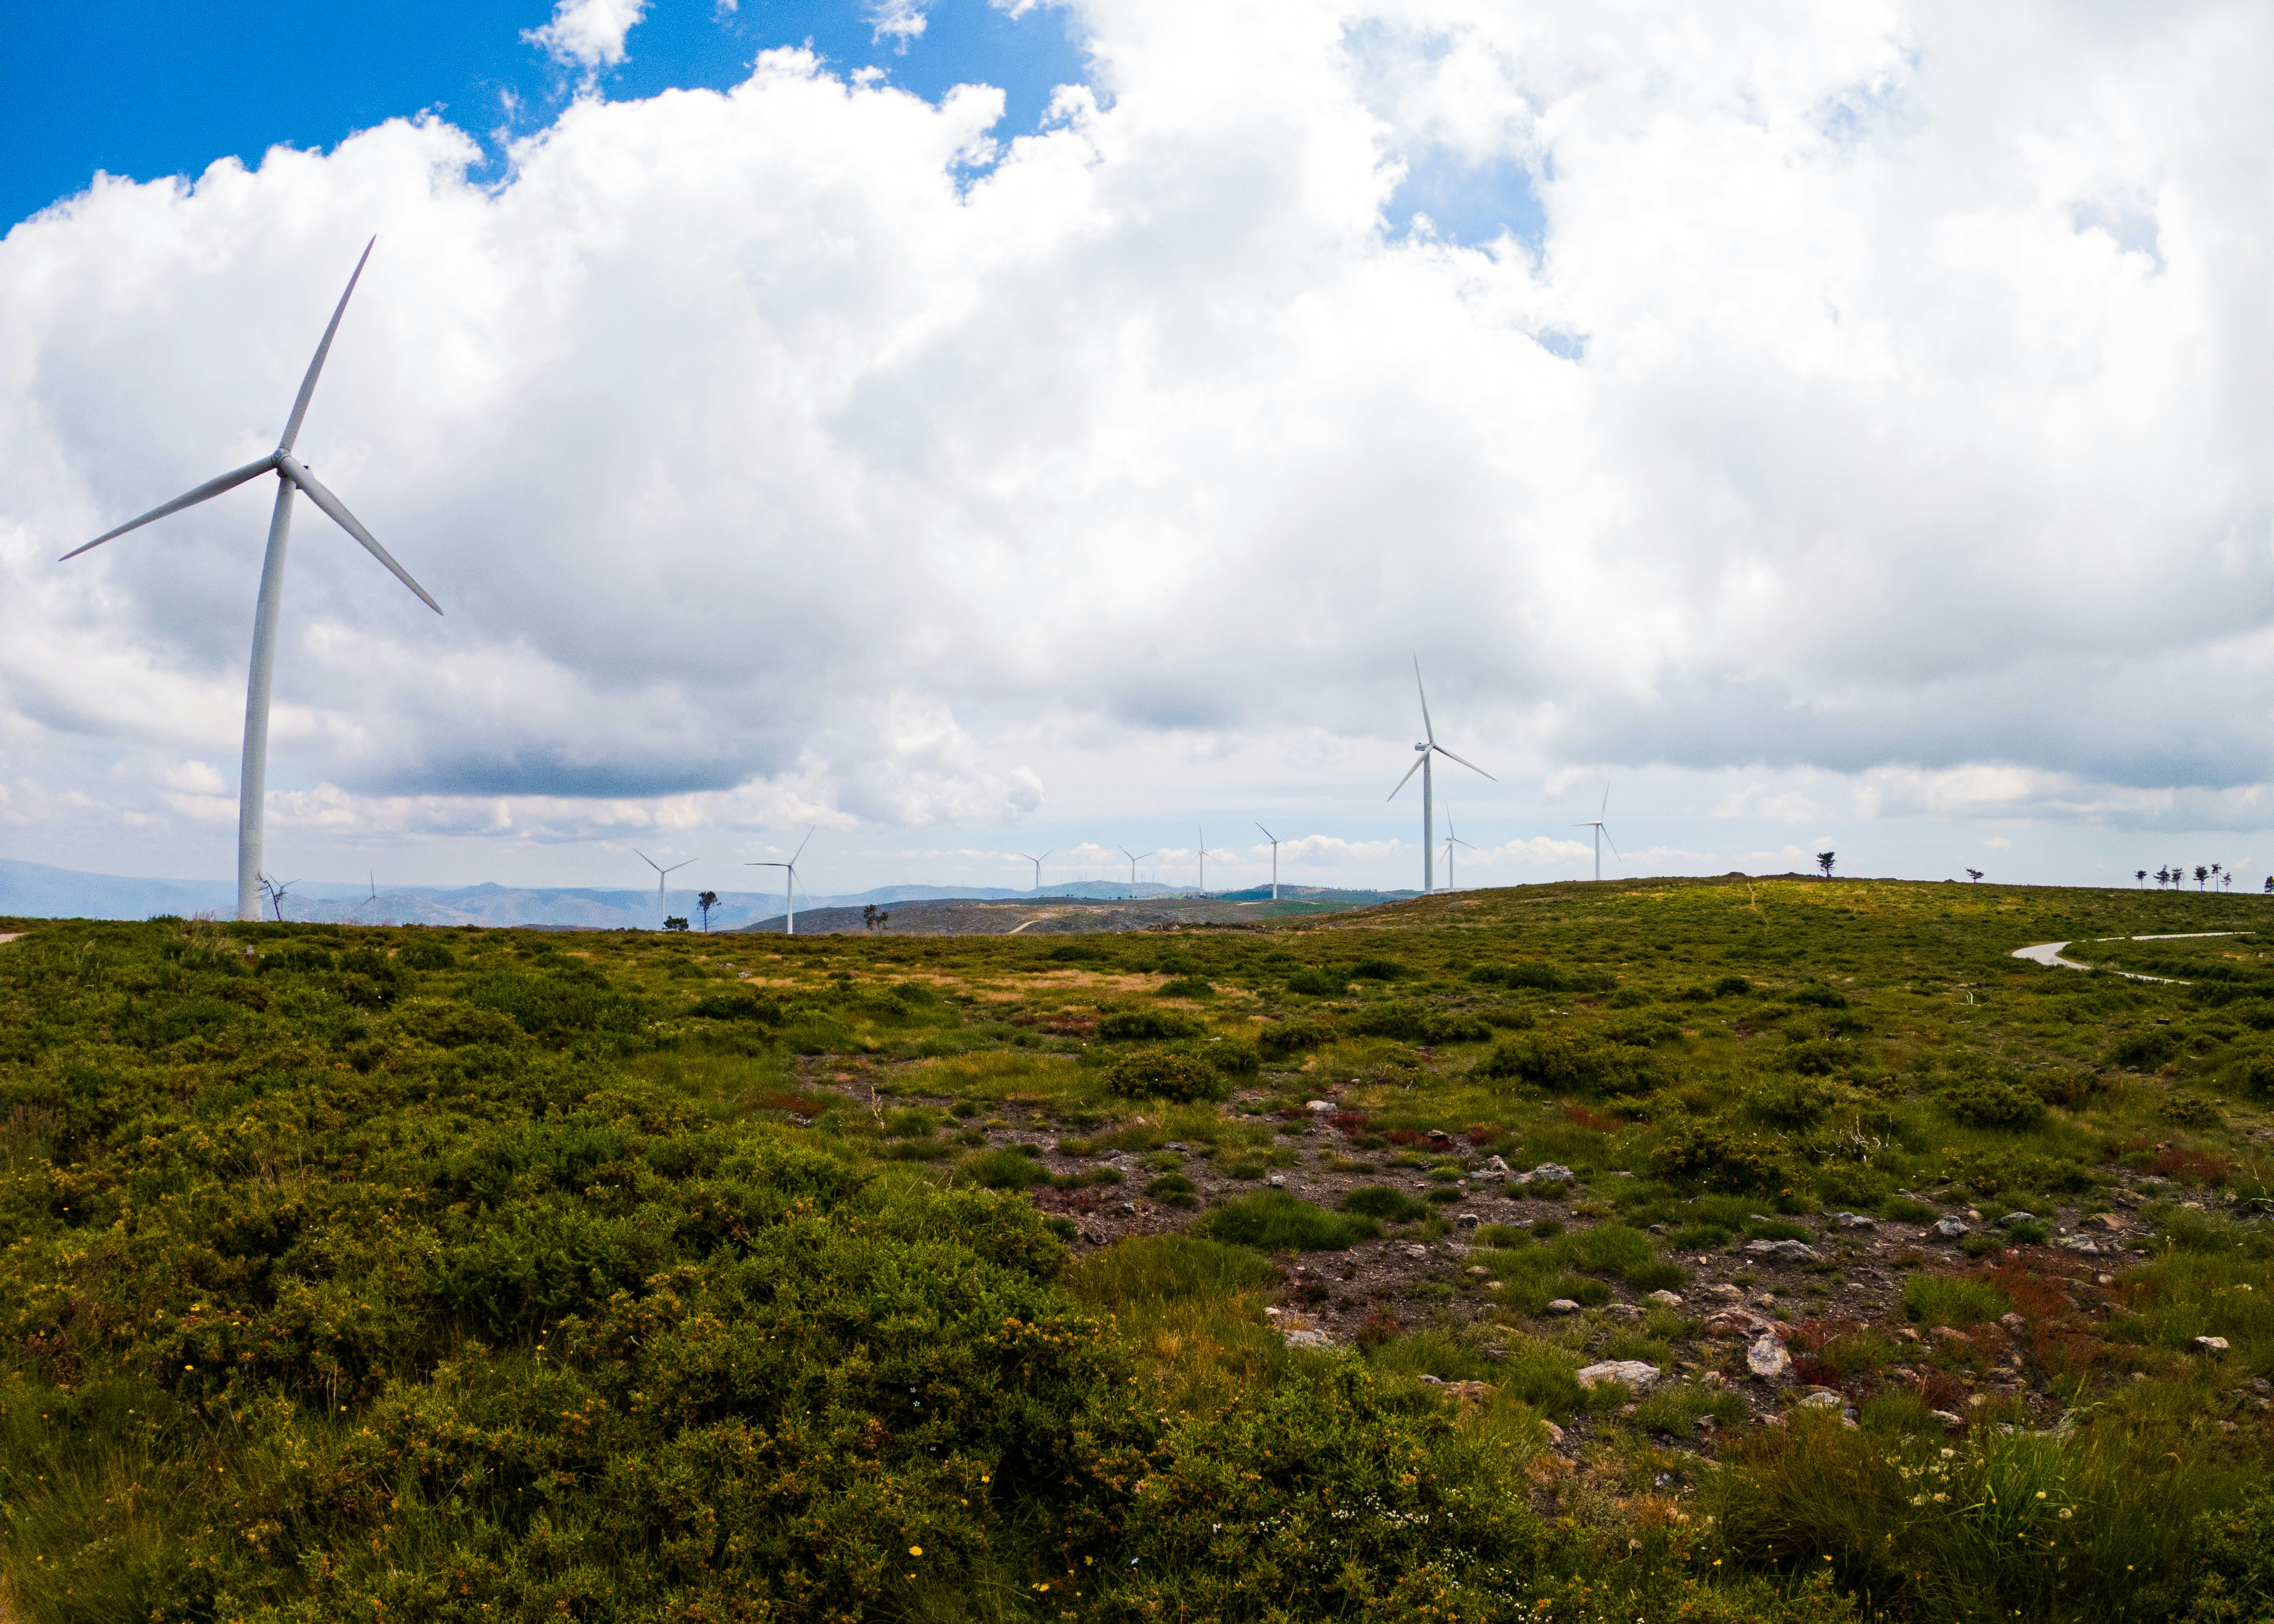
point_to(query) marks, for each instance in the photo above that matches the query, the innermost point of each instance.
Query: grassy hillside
(1205, 1274)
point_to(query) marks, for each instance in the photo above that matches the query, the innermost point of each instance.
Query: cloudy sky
(979, 428)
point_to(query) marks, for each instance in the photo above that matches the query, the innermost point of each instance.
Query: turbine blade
(1427, 732)
(308, 384)
(802, 844)
(211, 488)
(1410, 772)
(1614, 845)
(1607, 801)
(340, 515)
(1267, 835)
(1471, 765)
(644, 858)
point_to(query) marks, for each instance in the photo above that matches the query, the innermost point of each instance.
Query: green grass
(1945, 1299)
(1273, 1221)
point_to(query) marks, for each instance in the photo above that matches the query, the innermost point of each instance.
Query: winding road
(2050, 953)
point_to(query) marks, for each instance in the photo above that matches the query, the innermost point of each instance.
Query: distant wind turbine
(1267, 835)
(789, 882)
(662, 900)
(1429, 747)
(292, 475)
(1135, 859)
(1602, 833)
(1037, 861)
(1203, 834)
(1452, 839)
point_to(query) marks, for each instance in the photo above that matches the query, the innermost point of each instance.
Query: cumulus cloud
(1862, 410)
(589, 33)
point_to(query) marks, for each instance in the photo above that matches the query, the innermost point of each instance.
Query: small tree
(676, 922)
(2162, 878)
(707, 901)
(1824, 862)
(873, 917)
(2141, 875)
(2202, 874)
(1975, 874)
(2269, 885)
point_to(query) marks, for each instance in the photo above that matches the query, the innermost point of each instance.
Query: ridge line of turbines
(295, 477)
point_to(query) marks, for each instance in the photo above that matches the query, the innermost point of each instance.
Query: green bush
(736, 1006)
(1716, 1156)
(1386, 1204)
(2146, 1049)
(1283, 1038)
(1416, 1024)
(1951, 1299)
(1987, 1103)
(1564, 1063)
(1543, 977)
(1378, 969)
(1141, 1025)
(1174, 1189)
(1817, 995)
(1274, 1220)
(1166, 1074)
(1315, 983)
(1185, 987)
(1006, 1169)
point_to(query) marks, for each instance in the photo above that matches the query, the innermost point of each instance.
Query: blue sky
(144, 89)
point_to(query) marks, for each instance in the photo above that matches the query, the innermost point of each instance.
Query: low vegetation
(1707, 1251)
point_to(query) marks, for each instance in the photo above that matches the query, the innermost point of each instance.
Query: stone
(2211, 1344)
(1819, 1398)
(1554, 1433)
(1277, 1181)
(1273, 1314)
(2106, 1220)
(1767, 1359)
(2013, 1324)
(1950, 1229)
(1947, 1333)
(1727, 1293)
(1782, 1252)
(1308, 1336)
(1736, 1322)
(2103, 1280)
(1417, 1252)
(1562, 1305)
(1469, 1392)
(1665, 1299)
(1321, 1107)
(1623, 1311)
(1478, 1268)
(1467, 1221)
(2078, 1243)
(1635, 1374)
(1548, 1173)
(1907, 1334)
(1951, 1419)
(2014, 1220)
(1853, 1221)
(1495, 1168)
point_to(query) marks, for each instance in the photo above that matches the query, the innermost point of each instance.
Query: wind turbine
(1267, 835)
(292, 475)
(662, 900)
(1452, 839)
(1427, 748)
(789, 882)
(1602, 833)
(1037, 861)
(1135, 859)
(1203, 834)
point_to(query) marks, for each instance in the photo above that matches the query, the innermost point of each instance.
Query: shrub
(736, 1006)
(1175, 1190)
(2253, 1069)
(1316, 983)
(1730, 987)
(1142, 1025)
(1987, 1103)
(1378, 969)
(1416, 1024)
(425, 953)
(1274, 1220)
(1718, 1157)
(1381, 1201)
(1166, 1268)
(1185, 987)
(1817, 995)
(2147, 1049)
(1789, 1103)
(1164, 1074)
(1564, 1064)
(1283, 1038)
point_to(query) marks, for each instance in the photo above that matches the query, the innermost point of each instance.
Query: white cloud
(589, 34)
(777, 466)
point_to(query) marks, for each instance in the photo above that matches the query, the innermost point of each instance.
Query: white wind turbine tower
(1135, 859)
(1267, 835)
(1429, 747)
(1203, 834)
(1452, 839)
(292, 475)
(1602, 833)
(1037, 861)
(789, 882)
(662, 900)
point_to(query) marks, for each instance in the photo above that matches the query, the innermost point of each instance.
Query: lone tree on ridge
(707, 901)
(1824, 862)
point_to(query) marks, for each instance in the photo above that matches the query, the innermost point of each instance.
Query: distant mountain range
(34, 891)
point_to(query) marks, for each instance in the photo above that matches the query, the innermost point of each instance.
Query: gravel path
(2050, 952)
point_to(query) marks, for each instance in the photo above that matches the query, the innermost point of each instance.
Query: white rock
(1783, 1252)
(1549, 1172)
(1277, 1181)
(1562, 1305)
(1767, 1358)
(1950, 1229)
(1820, 1398)
(2211, 1344)
(1308, 1337)
(1635, 1374)
(1951, 1419)
(1853, 1220)
(1321, 1107)
(1665, 1298)
(2078, 1243)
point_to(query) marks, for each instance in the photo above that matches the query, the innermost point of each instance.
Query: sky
(978, 428)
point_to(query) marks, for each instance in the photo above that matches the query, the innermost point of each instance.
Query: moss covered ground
(1193, 1273)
